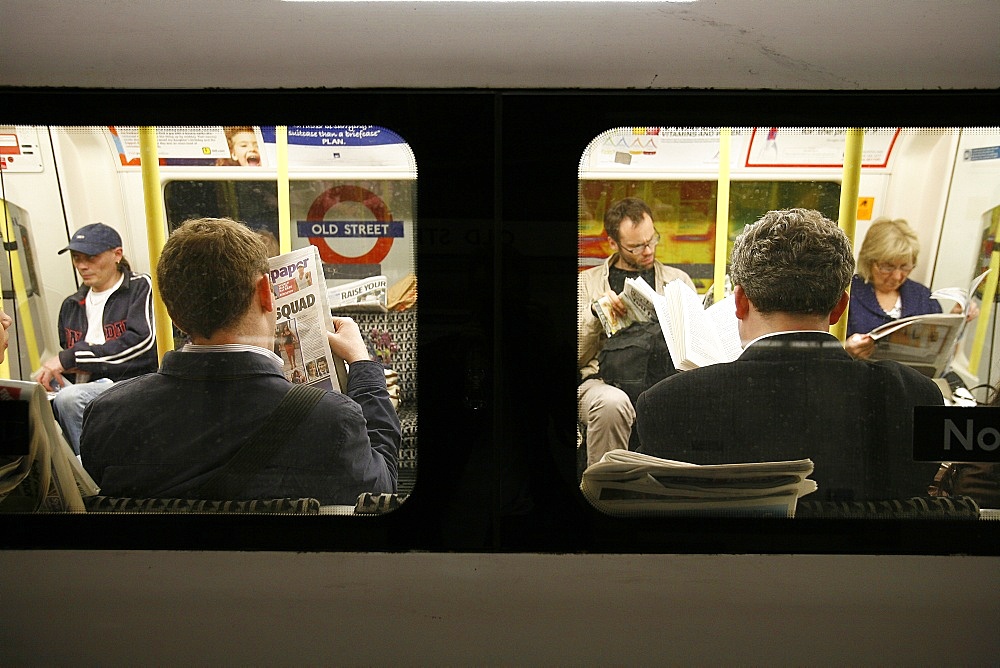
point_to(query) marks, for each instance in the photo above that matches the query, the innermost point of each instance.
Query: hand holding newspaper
(303, 320)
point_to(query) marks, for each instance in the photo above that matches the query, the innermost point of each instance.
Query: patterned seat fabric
(112, 504)
(918, 507)
(377, 504)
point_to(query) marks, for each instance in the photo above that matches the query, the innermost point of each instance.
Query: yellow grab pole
(849, 202)
(989, 292)
(27, 324)
(155, 232)
(722, 218)
(284, 208)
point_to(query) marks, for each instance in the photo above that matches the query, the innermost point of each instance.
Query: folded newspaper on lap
(45, 476)
(626, 483)
(927, 343)
(695, 336)
(303, 320)
(368, 294)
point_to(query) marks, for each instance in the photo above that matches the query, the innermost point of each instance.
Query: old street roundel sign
(334, 196)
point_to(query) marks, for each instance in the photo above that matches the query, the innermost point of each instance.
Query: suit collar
(784, 345)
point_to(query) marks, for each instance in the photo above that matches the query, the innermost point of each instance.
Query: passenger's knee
(70, 399)
(613, 405)
(64, 399)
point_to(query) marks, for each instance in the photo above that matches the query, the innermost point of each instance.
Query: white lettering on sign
(987, 438)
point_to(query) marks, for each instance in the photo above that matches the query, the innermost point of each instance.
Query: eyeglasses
(885, 268)
(641, 248)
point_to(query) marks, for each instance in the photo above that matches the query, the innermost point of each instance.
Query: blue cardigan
(865, 314)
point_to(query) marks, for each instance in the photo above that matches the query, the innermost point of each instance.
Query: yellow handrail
(722, 217)
(284, 206)
(989, 293)
(849, 202)
(155, 232)
(24, 319)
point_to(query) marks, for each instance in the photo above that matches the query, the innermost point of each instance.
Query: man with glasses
(606, 411)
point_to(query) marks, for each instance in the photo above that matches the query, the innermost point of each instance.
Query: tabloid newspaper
(634, 484)
(927, 343)
(368, 294)
(38, 470)
(695, 336)
(303, 320)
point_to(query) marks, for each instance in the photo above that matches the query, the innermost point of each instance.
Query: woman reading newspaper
(882, 291)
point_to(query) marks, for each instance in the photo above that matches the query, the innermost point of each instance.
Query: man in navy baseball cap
(93, 239)
(106, 331)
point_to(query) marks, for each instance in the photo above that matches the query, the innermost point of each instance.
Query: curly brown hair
(793, 261)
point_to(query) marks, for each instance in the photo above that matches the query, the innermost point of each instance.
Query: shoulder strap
(259, 447)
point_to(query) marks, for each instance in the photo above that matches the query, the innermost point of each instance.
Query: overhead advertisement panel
(695, 150)
(326, 147)
(816, 147)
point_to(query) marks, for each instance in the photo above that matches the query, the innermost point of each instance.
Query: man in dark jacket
(106, 329)
(166, 434)
(794, 392)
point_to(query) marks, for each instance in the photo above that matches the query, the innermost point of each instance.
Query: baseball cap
(93, 239)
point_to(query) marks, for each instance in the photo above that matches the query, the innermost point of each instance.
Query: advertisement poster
(309, 147)
(816, 147)
(660, 149)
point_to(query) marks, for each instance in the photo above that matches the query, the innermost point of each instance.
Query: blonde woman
(882, 291)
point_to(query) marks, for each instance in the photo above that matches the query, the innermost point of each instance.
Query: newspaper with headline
(368, 294)
(303, 319)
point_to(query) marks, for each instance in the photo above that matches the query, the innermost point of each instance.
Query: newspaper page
(722, 316)
(303, 319)
(368, 294)
(962, 297)
(52, 477)
(924, 342)
(696, 337)
(638, 305)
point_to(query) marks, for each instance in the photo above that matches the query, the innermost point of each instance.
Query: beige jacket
(592, 284)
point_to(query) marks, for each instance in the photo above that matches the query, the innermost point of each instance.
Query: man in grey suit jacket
(794, 392)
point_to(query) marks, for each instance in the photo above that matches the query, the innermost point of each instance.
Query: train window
(351, 196)
(708, 383)
(508, 222)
